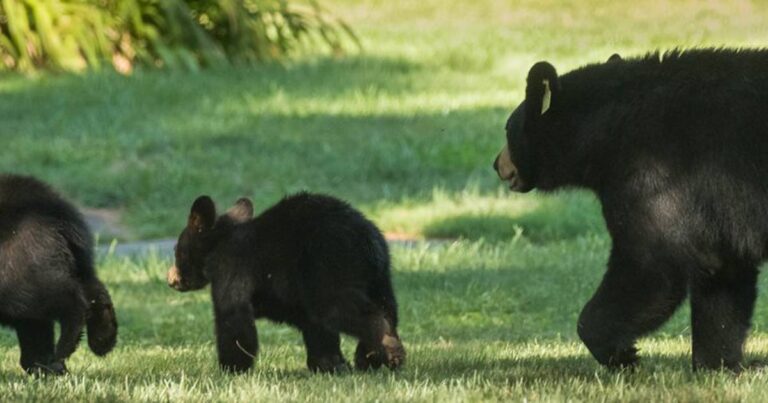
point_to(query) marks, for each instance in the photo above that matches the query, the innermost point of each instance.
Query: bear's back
(702, 106)
(699, 67)
(313, 227)
(36, 223)
(24, 195)
(306, 211)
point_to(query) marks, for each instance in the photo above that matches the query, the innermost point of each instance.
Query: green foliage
(55, 33)
(73, 34)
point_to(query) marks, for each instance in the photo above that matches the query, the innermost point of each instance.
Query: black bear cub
(47, 275)
(311, 261)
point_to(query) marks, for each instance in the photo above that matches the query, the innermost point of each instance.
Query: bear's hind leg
(390, 349)
(101, 322)
(379, 344)
(37, 348)
(352, 312)
(635, 297)
(721, 310)
(323, 350)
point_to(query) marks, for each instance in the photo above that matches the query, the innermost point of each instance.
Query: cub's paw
(102, 328)
(733, 366)
(368, 358)
(623, 358)
(51, 369)
(328, 364)
(390, 353)
(760, 364)
(393, 351)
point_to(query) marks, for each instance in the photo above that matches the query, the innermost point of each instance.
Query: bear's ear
(615, 58)
(242, 211)
(202, 216)
(542, 87)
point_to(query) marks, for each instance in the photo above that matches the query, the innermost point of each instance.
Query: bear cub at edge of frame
(47, 275)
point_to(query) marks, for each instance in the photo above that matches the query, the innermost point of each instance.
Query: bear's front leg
(37, 348)
(236, 338)
(637, 295)
(323, 350)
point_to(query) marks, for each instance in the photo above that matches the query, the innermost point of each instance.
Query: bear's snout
(174, 278)
(507, 170)
(504, 165)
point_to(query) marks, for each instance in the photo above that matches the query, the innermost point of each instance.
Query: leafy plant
(75, 34)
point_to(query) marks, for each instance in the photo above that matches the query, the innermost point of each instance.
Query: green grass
(480, 321)
(407, 131)
(420, 110)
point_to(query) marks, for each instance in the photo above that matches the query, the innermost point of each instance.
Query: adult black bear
(47, 275)
(311, 261)
(675, 146)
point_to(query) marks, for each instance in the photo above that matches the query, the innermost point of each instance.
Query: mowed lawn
(407, 130)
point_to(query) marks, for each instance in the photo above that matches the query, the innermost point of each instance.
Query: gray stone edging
(164, 247)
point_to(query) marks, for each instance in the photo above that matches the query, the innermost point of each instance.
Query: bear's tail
(101, 322)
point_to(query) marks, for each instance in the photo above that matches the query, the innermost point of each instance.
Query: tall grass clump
(77, 34)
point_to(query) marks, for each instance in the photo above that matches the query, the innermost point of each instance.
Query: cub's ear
(242, 211)
(542, 87)
(202, 216)
(615, 58)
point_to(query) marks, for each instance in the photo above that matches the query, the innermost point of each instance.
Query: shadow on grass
(150, 143)
(364, 159)
(196, 92)
(151, 165)
(557, 218)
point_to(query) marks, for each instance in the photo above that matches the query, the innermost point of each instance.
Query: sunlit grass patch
(481, 321)
(495, 216)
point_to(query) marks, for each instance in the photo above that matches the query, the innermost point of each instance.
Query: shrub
(75, 34)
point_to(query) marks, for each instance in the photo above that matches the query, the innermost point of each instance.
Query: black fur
(311, 261)
(47, 275)
(675, 146)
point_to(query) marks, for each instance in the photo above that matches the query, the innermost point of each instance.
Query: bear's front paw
(236, 367)
(623, 358)
(51, 369)
(755, 364)
(328, 364)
